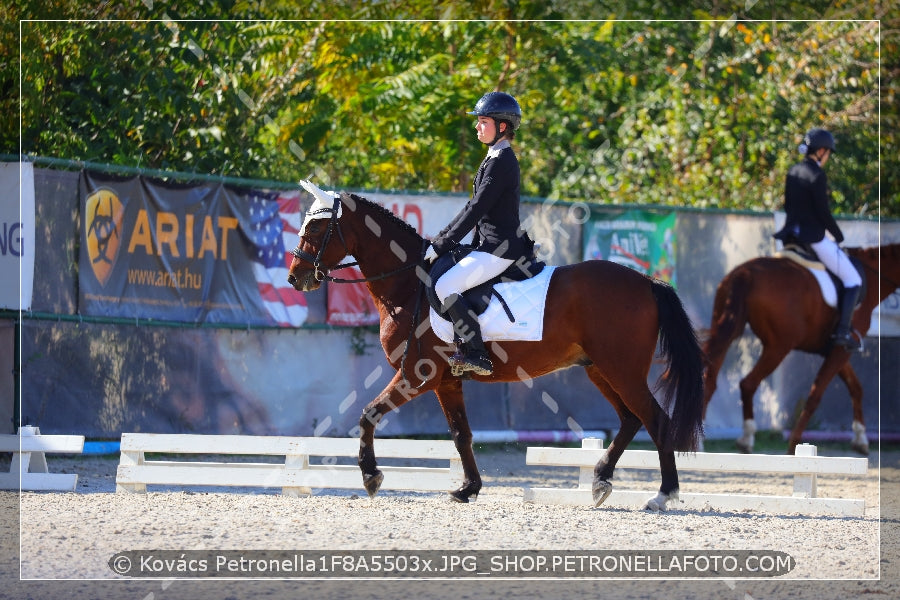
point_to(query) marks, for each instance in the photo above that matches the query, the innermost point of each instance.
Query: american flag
(276, 220)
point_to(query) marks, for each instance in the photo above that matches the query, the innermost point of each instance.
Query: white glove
(431, 254)
(326, 197)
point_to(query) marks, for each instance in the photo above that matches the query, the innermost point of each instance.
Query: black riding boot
(471, 355)
(842, 333)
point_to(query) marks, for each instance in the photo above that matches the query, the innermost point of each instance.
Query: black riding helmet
(500, 106)
(818, 138)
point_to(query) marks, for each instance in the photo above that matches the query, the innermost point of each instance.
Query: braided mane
(387, 214)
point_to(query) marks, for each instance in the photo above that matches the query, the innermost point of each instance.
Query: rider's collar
(494, 151)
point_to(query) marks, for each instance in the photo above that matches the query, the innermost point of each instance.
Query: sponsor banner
(350, 303)
(200, 253)
(16, 234)
(642, 240)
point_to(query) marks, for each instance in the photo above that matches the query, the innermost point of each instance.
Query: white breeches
(837, 262)
(474, 269)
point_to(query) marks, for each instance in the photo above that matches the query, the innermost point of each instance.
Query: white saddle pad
(526, 300)
(829, 294)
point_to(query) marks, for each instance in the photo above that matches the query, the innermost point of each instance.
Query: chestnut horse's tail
(729, 317)
(682, 383)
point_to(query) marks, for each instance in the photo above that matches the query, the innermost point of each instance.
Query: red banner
(350, 303)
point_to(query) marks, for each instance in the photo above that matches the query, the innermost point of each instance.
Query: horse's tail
(682, 383)
(729, 317)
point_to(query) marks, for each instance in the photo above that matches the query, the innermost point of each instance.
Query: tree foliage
(617, 109)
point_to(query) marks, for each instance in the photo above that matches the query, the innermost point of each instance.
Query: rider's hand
(430, 255)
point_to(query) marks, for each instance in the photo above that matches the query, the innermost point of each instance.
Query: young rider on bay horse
(808, 216)
(493, 212)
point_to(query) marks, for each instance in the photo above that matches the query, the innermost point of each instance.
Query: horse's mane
(870, 254)
(387, 214)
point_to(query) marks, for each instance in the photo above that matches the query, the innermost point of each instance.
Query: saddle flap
(479, 297)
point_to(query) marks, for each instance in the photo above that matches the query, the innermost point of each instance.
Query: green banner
(642, 240)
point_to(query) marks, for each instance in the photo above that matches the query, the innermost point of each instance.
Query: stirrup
(847, 341)
(478, 363)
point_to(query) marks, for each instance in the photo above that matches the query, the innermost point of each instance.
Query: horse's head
(317, 253)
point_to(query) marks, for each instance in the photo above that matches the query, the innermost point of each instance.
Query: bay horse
(783, 304)
(600, 315)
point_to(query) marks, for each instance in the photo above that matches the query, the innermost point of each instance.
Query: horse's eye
(312, 228)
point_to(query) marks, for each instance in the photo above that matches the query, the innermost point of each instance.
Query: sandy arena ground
(67, 539)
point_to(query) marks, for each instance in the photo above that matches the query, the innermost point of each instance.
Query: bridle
(320, 272)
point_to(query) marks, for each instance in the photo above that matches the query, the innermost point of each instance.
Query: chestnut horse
(783, 304)
(600, 315)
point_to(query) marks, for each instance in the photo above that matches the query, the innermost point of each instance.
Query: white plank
(62, 444)
(716, 502)
(35, 482)
(703, 461)
(173, 443)
(274, 475)
(282, 445)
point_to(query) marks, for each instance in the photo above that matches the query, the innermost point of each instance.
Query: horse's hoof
(600, 491)
(743, 446)
(372, 483)
(860, 448)
(660, 502)
(462, 496)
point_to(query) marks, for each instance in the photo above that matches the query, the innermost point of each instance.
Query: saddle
(804, 255)
(480, 296)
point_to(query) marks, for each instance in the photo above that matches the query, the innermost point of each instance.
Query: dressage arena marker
(805, 465)
(28, 466)
(296, 476)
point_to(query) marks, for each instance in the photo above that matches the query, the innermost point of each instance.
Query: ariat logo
(103, 230)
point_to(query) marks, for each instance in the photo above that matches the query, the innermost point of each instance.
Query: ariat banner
(192, 253)
(642, 240)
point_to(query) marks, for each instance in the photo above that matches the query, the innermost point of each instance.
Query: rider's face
(486, 128)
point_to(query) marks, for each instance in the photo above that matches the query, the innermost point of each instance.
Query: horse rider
(808, 217)
(493, 212)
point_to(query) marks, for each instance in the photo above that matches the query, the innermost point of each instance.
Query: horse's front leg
(860, 442)
(834, 362)
(397, 393)
(450, 396)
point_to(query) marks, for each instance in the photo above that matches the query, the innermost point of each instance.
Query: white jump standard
(28, 467)
(805, 466)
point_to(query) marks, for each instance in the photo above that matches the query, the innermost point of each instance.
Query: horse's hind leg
(768, 361)
(656, 421)
(631, 422)
(450, 396)
(603, 470)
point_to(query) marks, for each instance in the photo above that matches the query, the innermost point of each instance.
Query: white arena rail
(297, 475)
(28, 467)
(805, 466)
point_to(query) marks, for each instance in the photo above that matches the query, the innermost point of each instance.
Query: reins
(322, 274)
(316, 261)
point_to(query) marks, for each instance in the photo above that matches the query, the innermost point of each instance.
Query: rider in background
(493, 212)
(808, 217)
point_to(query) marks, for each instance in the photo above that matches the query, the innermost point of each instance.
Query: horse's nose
(291, 279)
